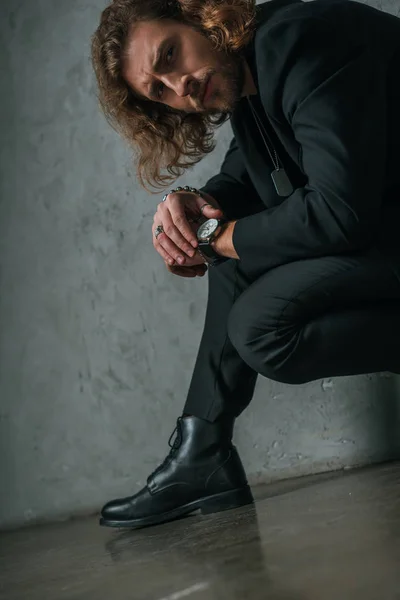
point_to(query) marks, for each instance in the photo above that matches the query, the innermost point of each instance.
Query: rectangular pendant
(282, 182)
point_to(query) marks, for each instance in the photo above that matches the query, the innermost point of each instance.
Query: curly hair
(181, 139)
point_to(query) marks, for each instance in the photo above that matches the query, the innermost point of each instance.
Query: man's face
(188, 66)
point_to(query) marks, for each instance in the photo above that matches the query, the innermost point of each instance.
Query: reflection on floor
(332, 537)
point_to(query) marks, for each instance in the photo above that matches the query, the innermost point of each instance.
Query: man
(300, 227)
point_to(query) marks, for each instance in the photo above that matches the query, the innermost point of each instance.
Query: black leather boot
(202, 471)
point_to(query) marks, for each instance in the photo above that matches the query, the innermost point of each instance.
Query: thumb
(212, 212)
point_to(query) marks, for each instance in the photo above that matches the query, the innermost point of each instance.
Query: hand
(194, 271)
(177, 244)
(194, 267)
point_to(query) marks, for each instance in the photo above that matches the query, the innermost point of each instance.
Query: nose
(182, 85)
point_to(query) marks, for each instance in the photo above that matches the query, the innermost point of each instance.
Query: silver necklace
(279, 176)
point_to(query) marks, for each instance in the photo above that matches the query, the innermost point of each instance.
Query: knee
(267, 350)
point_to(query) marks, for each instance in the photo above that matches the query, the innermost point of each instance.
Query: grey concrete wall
(97, 340)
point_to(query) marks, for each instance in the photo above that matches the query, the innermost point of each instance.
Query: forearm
(223, 245)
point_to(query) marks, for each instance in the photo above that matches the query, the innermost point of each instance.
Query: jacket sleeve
(232, 187)
(333, 95)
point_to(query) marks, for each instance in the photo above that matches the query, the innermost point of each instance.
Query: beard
(228, 93)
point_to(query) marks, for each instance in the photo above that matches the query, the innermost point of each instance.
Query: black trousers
(323, 317)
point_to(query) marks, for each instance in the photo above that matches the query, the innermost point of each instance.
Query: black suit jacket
(328, 80)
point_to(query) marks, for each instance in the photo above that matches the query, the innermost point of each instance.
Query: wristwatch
(206, 234)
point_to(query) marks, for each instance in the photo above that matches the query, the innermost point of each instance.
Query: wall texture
(97, 340)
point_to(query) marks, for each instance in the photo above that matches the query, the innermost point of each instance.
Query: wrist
(223, 243)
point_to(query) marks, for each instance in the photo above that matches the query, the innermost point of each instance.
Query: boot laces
(174, 446)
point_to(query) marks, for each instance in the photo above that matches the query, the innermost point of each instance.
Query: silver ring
(159, 229)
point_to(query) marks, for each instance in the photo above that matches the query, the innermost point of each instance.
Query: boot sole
(207, 505)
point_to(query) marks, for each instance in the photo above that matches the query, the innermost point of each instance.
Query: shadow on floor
(320, 538)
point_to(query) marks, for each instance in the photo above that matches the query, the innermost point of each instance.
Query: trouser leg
(318, 318)
(222, 382)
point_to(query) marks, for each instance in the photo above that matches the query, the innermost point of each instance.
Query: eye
(168, 56)
(160, 91)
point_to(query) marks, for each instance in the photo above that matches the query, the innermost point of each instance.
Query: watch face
(207, 229)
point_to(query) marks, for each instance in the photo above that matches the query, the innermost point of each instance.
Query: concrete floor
(329, 537)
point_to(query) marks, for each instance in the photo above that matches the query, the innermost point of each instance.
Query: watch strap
(207, 251)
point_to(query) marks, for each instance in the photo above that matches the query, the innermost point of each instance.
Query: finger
(182, 233)
(210, 199)
(201, 270)
(208, 204)
(168, 259)
(169, 249)
(163, 245)
(195, 271)
(173, 242)
(180, 248)
(211, 212)
(187, 272)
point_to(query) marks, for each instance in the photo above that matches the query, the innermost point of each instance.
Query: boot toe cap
(117, 510)
(128, 509)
